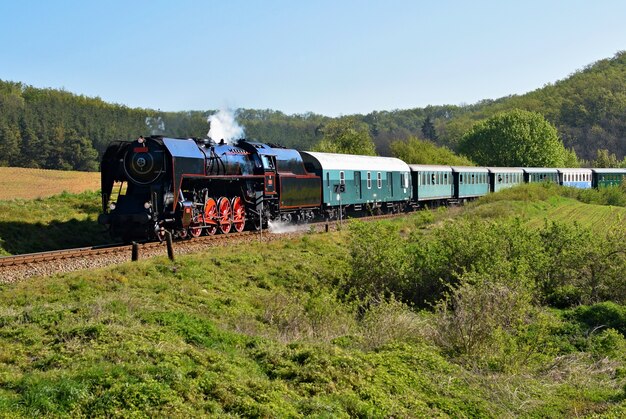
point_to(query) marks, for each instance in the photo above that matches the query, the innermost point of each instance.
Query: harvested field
(18, 182)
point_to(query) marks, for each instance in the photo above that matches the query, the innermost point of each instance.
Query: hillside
(275, 329)
(55, 129)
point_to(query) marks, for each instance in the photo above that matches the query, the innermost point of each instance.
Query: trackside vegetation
(444, 313)
(57, 222)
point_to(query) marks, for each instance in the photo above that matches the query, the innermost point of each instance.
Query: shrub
(388, 321)
(378, 259)
(490, 325)
(602, 315)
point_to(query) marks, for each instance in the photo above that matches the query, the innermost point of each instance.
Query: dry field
(17, 182)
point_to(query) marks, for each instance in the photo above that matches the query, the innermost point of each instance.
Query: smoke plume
(156, 125)
(224, 126)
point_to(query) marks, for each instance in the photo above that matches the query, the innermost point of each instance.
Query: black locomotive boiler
(194, 187)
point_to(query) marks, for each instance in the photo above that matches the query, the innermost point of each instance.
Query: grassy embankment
(48, 209)
(271, 329)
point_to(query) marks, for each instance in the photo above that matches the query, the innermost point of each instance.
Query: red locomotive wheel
(239, 214)
(224, 210)
(210, 216)
(195, 229)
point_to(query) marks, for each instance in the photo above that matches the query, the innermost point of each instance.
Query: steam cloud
(223, 126)
(156, 125)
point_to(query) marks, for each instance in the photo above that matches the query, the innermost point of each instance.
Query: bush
(494, 326)
(390, 321)
(602, 315)
(378, 260)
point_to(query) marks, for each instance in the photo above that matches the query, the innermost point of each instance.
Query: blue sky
(329, 57)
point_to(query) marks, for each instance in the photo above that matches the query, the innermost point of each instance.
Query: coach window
(369, 180)
(460, 178)
(379, 180)
(342, 178)
(328, 179)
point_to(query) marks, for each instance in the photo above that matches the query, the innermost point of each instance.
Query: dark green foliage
(514, 139)
(428, 130)
(560, 263)
(601, 316)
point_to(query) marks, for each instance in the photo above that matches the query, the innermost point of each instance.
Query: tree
(9, 144)
(416, 151)
(514, 138)
(347, 136)
(605, 159)
(428, 130)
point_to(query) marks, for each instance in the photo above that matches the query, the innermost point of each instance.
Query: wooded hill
(56, 129)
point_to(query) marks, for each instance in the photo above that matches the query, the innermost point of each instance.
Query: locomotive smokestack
(224, 126)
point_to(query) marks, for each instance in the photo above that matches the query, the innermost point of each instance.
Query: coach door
(357, 185)
(269, 165)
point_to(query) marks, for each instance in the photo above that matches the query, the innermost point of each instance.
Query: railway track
(55, 255)
(18, 267)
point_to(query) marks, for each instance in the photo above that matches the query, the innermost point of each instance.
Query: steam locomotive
(189, 187)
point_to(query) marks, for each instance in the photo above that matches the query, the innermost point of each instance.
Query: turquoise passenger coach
(540, 174)
(431, 183)
(360, 181)
(504, 177)
(470, 182)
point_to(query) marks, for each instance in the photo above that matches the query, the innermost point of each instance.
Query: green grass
(254, 330)
(539, 203)
(58, 222)
(262, 330)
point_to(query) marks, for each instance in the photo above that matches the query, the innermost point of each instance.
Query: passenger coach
(360, 182)
(431, 183)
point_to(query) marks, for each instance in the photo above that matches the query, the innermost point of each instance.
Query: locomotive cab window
(267, 162)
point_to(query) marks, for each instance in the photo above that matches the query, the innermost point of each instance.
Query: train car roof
(574, 170)
(607, 170)
(331, 161)
(505, 170)
(469, 169)
(430, 167)
(539, 170)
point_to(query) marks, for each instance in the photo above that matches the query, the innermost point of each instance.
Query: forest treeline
(56, 129)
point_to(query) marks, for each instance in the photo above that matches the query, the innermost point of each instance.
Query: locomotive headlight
(112, 206)
(147, 205)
